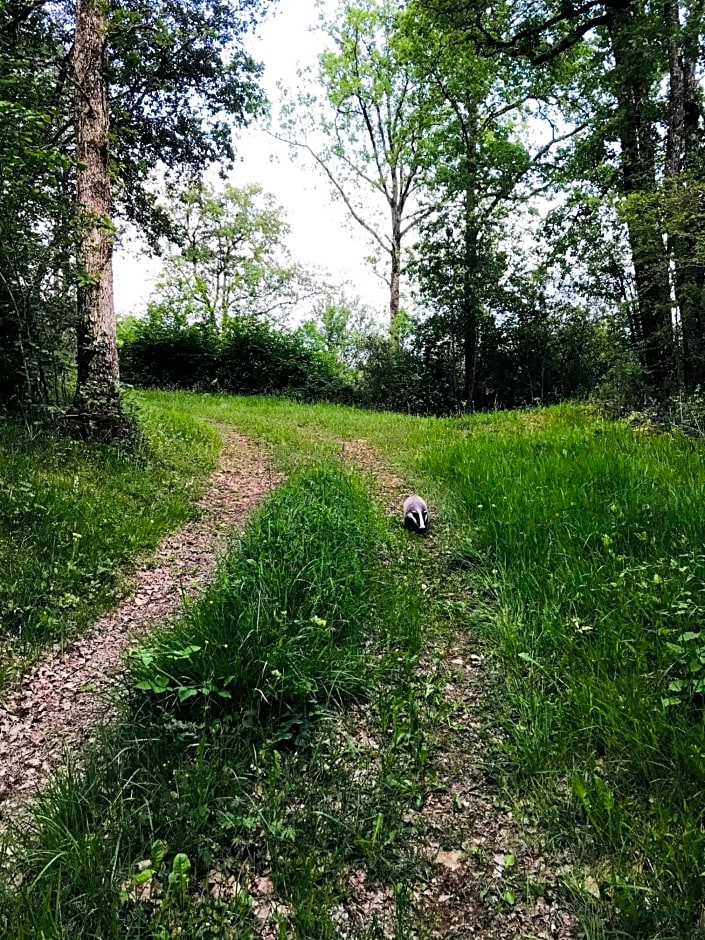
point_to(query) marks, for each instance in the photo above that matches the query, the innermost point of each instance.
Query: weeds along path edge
(58, 706)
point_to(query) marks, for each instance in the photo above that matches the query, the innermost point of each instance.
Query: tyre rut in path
(477, 856)
(59, 705)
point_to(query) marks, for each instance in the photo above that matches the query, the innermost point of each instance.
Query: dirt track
(59, 704)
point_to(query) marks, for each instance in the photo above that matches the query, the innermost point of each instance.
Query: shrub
(246, 357)
(395, 378)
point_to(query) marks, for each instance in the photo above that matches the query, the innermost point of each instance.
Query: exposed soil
(391, 488)
(58, 706)
(487, 879)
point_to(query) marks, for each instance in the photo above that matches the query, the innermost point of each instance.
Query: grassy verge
(74, 516)
(585, 544)
(237, 799)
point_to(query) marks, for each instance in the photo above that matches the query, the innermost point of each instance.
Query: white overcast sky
(322, 234)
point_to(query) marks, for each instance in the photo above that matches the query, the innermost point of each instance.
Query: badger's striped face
(417, 519)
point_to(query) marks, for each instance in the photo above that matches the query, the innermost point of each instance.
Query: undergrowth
(232, 800)
(73, 517)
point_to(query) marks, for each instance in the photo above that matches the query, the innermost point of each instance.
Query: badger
(415, 514)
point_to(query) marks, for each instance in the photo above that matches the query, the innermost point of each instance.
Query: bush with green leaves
(246, 357)
(163, 351)
(397, 377)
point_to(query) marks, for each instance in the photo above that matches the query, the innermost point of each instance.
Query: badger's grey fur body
(415, 513)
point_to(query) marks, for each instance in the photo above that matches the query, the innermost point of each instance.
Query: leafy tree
(485, 170)
(341, 326)
(542, 346)
(175, 78)
(232, 261)
(96, 409)
(647, 111)
(36, 257)
(180, 81)
(369, 133)
(684, 183)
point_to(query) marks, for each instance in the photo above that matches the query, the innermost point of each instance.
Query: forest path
(54, 710)
(487, 879)
(490, 880)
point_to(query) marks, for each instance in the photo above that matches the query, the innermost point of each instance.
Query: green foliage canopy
(233, 261)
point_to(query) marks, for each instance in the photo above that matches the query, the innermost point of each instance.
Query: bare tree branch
(339, 189)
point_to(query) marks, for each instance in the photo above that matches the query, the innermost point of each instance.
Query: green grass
(578, 544)
(73, 518)
(285, 625)
(297, 434)
(582, 543)
(585, 542)
(237, 762)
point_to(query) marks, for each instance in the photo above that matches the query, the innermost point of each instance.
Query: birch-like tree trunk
(96, 410)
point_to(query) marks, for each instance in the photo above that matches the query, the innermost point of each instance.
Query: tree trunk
(96, 410)
(638, 158)
(470, 302)
(395, 274)
(683, 147)
(470, 297)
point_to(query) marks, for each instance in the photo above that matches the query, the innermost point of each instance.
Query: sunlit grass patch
(297, 434)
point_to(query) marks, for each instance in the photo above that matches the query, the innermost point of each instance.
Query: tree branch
(21, 16)
(520, 41)
(535, 161)
(338, 188)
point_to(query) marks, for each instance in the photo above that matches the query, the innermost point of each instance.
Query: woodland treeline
(530, 176)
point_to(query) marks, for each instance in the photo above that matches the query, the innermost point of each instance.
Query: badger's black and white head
(415, 514)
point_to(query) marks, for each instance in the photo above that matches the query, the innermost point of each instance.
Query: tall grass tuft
(585, 542)
(286, 624)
